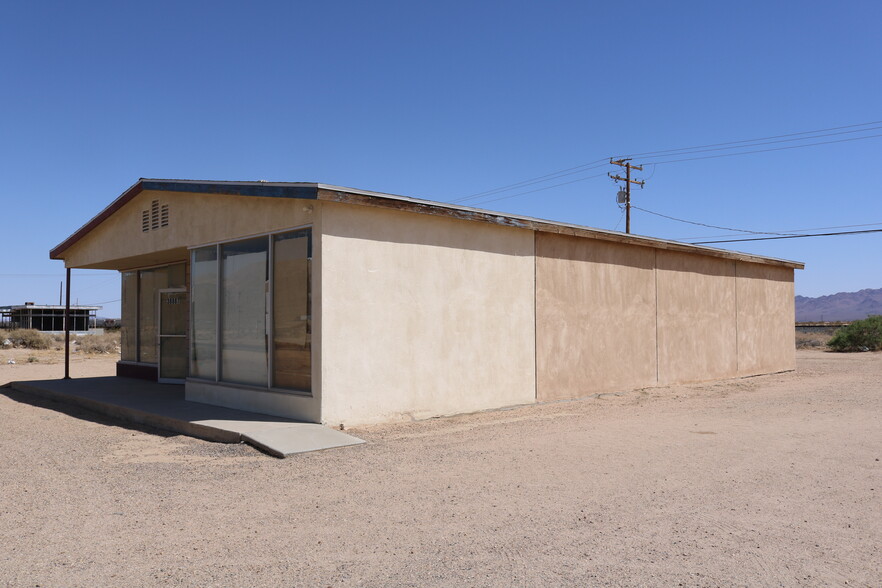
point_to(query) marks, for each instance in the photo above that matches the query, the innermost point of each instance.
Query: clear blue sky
(443, 100)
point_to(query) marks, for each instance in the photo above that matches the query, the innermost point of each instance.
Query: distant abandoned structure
(335, 305)
(48, 317)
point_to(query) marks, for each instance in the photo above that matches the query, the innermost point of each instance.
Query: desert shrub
(27, 338)
(104, 343)
(863, 335)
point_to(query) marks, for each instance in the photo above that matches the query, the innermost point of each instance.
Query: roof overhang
(330, 193)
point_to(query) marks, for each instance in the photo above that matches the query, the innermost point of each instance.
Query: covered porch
(163, 406)
(216, 295)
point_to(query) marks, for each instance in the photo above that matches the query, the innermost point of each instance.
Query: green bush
(863, 335)
(27, 338)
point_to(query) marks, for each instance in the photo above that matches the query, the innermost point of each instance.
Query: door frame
(159, 335)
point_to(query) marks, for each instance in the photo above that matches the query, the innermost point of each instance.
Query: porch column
(67, 328)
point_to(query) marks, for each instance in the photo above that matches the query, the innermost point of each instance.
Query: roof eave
(351, 196)
(302, 190)
(331, 193)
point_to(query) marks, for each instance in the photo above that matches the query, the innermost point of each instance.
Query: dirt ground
(767, 481)
(30, 364)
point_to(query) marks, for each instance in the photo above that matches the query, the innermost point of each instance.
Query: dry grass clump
(103, 343)
(37, 340)
(26, 339)
(812, 340)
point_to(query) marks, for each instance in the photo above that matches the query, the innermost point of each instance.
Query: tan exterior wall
(595, 316)
(766, 317)
(194, 219)
(696, 318)
(423, 315)
(618, 317)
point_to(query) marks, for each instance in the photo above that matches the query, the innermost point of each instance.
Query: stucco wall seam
(655, 276)
(535, 320)
(737, 326)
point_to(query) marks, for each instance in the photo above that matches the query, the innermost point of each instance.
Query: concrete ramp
(163, 406)
(299, 438)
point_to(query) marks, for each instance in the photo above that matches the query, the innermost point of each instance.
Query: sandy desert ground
(767, 481)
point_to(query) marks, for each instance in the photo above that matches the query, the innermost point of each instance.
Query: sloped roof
(330, 193)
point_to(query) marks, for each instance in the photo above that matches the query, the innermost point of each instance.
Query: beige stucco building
(336, 305)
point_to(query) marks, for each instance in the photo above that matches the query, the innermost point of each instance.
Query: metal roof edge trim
(544, 225)
(301, 190)
(311, 191)
(123, 198)
(304, 191)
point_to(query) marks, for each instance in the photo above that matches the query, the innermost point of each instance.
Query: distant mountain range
(844, 306)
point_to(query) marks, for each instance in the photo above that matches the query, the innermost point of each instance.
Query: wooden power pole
(628, 181)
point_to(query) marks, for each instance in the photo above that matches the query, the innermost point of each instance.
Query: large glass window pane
(203, 276)
(243, 312)
(129, 323)
(176, 275)
(292, 332)
(151, 281)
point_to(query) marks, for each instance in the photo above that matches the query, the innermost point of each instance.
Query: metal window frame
(269, 316)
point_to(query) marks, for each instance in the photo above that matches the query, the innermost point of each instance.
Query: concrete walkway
(163, 406)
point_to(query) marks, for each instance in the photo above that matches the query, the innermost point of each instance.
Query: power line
(767, 150)
(105, 302)
(683, 150)
(780, 232)
(779, 235)
(100, 284)
(551, 176)
(681, 220)
(687, 152)
(540, 189)
(622, 216)
(866, 124)
(790, 237)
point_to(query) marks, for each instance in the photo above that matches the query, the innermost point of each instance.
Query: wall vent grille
(154, 217)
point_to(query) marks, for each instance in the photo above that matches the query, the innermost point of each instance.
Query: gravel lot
(768, 481)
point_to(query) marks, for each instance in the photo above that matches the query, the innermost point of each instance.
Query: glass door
(173, 319)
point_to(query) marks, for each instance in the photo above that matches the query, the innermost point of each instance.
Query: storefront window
(292, 332)
(262, 314)
(129, 322)
(204, 313)
(244, 283)
(147, 315)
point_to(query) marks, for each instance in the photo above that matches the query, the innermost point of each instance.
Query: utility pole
(628, 181)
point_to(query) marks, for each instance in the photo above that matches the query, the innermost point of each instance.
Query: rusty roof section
(329, 193)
